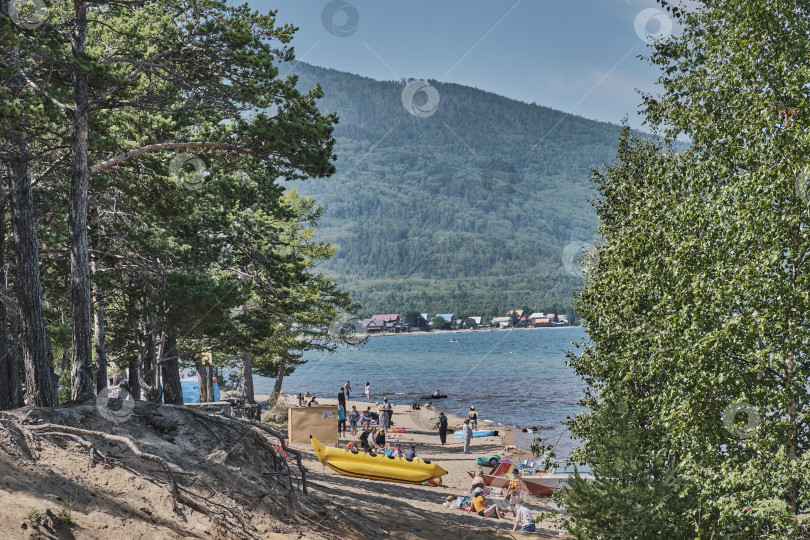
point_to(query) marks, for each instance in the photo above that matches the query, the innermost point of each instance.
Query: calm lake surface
(514, 378)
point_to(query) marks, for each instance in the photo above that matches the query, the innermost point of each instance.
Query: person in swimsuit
(473, 416)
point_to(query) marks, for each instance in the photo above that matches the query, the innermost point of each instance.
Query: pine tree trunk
(100, 337)
(27, 285)
(209, 382)
(54, 375)
(134, 382)
(14, 361)
(282, 366)
(170, 369)
(148, 362)
(5, 361)
(99, 325)
(198, 365)
(81, 375)
(204, 382)
(247, 375)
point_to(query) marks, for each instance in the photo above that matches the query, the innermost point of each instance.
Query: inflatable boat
(377, 466)
(476, 433)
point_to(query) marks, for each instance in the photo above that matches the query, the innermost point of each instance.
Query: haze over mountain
(465, 206)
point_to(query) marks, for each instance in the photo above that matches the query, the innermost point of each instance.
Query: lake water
(515, 378)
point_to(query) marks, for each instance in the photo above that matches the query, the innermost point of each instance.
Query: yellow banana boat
(377, 466)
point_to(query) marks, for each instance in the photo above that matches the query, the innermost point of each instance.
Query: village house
(385, 323)
(522, 319)
(538, 319)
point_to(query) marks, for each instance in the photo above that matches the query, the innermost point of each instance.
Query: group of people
(383, 416)
(513, 492)
(470, 423)
(355, 418)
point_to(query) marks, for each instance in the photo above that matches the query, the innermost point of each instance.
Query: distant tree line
(416, 223)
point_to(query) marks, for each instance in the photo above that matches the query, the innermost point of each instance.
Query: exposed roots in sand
(224, 518)
(225, 478)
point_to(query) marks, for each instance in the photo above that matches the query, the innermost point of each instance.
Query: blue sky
(577, 56)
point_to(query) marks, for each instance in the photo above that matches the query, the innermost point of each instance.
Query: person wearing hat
(473, 416)
(481, 507)
(441, 423)
(382, 410)
(478, 481)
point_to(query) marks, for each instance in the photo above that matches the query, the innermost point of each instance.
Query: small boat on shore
(542, 484)
(377, 466)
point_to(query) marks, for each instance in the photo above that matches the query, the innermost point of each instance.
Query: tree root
(271, 431)
(177, 497)
(280, 437)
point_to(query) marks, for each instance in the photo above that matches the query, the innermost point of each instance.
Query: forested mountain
(467, 209)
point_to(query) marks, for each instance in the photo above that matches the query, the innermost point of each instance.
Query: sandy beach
(416, 511)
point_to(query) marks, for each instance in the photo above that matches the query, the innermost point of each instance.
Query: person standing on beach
(368, 393)
(473, 416)
(441, 423)
(353, 417)
(468, 433)
(514, 491)
(347, 388)
(382, 411)
(389, 410)
(341, 419)
(342, 398)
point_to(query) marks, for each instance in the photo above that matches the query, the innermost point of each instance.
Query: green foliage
(169, 261)
(65, 516)
(416, 223)
(33, 516)
(698, 300)
(440, 324)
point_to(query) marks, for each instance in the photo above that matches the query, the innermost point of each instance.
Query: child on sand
(523, 518)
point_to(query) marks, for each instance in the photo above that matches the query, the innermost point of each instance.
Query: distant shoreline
(466, 331)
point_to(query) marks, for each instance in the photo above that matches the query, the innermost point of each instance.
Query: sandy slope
(416, 512)
(223, 465)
